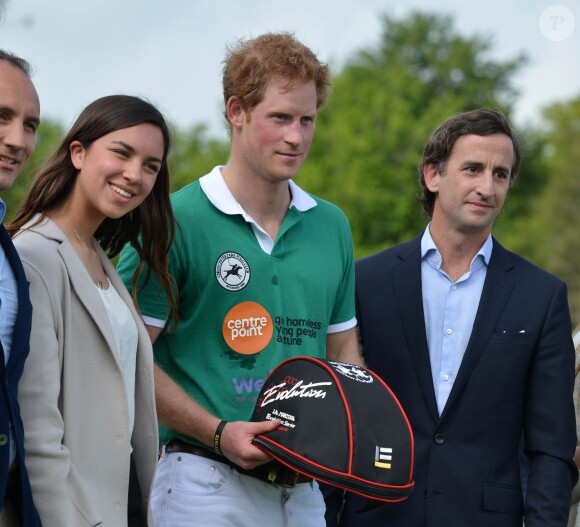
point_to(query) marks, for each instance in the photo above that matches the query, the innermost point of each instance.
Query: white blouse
(126, 339)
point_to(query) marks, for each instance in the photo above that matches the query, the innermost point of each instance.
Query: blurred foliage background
(385, 103)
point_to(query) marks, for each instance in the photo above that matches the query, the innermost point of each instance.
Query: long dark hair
(153, 219)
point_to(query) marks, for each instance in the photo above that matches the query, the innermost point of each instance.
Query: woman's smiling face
(117, 171)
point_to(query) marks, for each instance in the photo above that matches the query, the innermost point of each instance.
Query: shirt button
(445, 377)
(453, 287)
(449, 331)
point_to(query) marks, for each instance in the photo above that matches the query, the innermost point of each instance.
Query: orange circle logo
(247, 328)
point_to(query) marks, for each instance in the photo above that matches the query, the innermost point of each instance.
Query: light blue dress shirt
(449, 308)
(8, 297)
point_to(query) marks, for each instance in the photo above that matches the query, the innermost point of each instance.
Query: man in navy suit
(19, 118)
(476, 344)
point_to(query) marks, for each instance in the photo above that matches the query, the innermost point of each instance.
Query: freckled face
(117, 171)
(473, 189)
(277, 134)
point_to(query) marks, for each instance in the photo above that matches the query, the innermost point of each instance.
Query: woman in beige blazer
(87, 394)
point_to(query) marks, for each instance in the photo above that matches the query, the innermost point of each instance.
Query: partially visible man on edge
(19, 118)
(264, 271)
(476, 344)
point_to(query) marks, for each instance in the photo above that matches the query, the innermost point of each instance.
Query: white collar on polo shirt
(216, 190)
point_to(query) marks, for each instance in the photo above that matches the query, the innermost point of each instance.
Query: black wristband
(218, 436)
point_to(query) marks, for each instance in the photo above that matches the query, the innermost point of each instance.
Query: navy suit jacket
(9, 376)
(516, 378)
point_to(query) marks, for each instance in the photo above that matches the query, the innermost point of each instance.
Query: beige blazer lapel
(80, 279)
(87, 293)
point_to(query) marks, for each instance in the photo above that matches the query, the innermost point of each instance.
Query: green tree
(384, 105)
(193, 155)
(550, 237)
(47, 139)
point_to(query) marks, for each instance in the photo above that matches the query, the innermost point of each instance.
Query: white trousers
(191, 491)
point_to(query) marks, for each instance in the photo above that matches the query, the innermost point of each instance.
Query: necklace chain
(94, 264)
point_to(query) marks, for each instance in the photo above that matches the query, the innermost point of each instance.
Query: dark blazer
(516, 377)
(9, 376)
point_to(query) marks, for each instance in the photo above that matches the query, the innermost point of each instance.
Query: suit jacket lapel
(21, 332)
(496, 291)
(407, 285)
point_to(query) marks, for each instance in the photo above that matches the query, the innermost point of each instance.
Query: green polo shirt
(246, 303)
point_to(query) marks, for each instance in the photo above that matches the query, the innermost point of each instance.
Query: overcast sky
(170, 51)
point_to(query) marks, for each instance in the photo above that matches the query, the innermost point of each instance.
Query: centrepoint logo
(247, 328)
